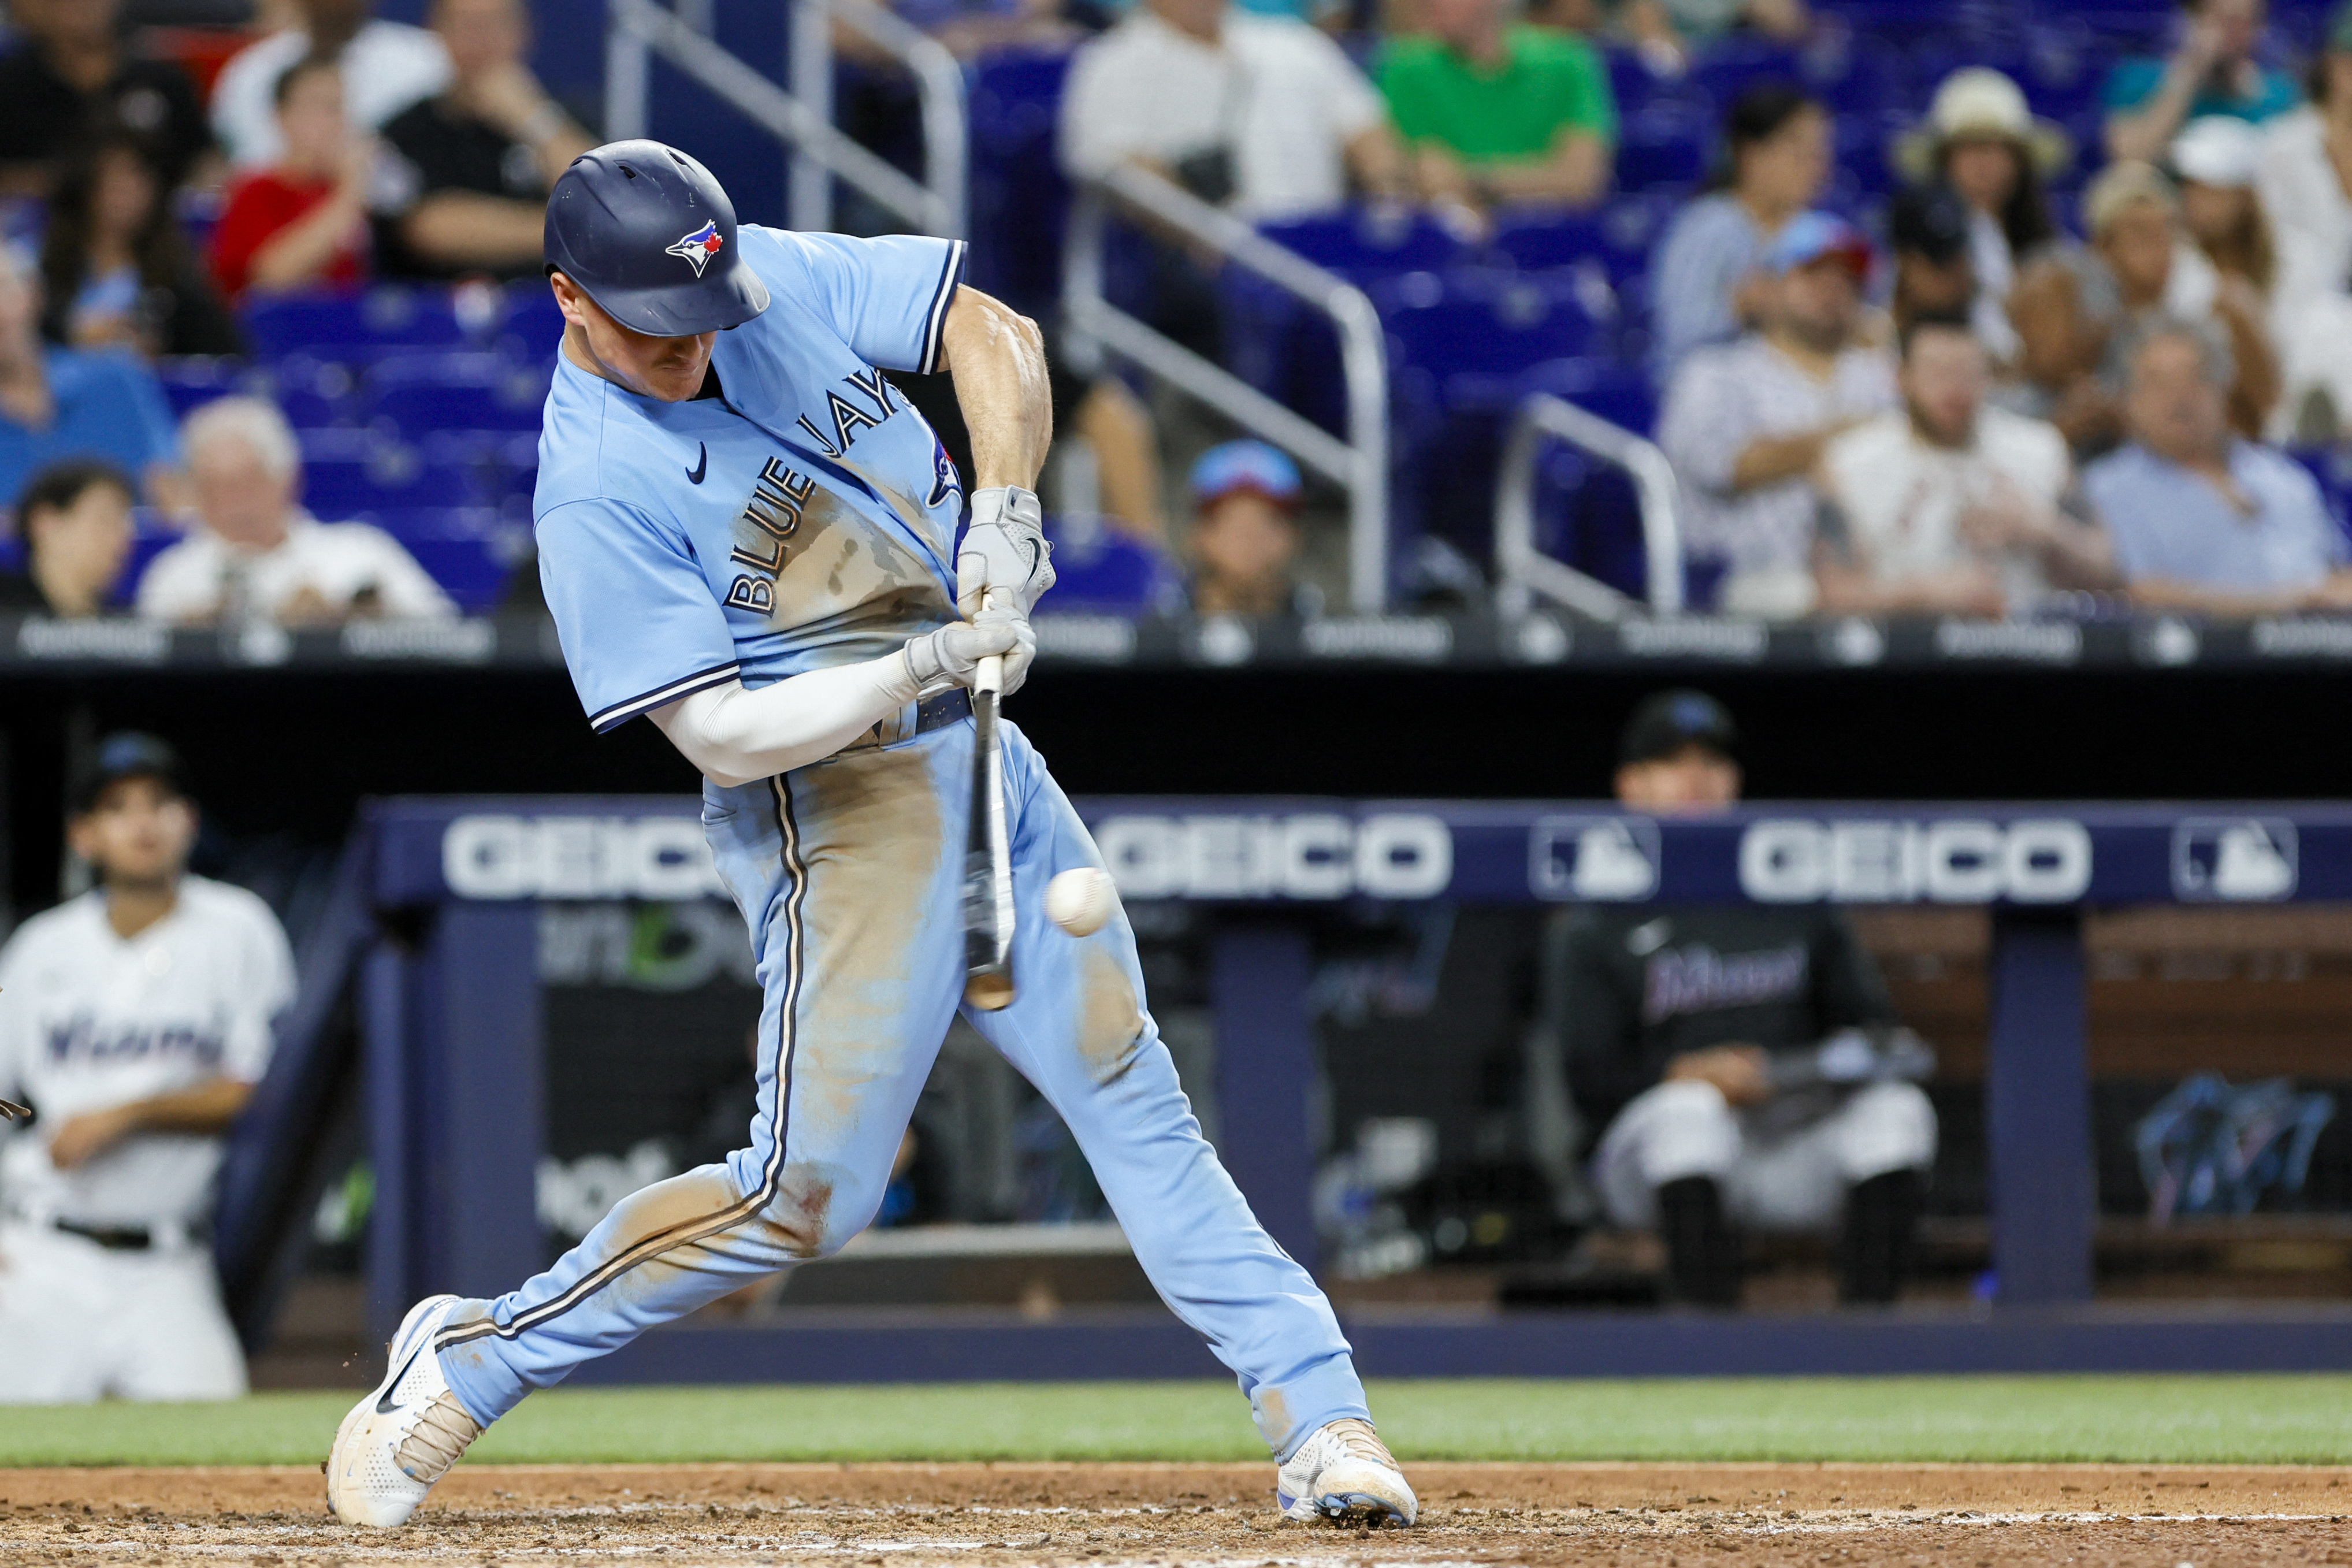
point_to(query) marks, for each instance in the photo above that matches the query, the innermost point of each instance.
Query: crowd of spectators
(1962, 401)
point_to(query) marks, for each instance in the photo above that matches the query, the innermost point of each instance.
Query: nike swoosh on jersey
(702, 463)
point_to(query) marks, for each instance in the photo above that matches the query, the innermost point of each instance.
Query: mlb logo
(1596, 860)
(2235, 859)
(699, 248)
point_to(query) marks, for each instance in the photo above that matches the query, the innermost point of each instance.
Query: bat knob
(989, 990)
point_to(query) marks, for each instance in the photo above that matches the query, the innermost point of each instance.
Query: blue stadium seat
(197, 379)
(1363, 245)
(415, 392)
(1098, 568)
(1666, 145)
(1587, 516)
(1533, 238)
(1616, 391)
(1020, 200)
(1457, 339)
(346, 472)
(469, 550)
(314, 393)
(505, 463)
(532, 326)
(353, 326)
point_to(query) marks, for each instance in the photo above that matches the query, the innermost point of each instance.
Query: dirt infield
(1103, 1516)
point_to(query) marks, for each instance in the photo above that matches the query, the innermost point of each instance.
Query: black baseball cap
(126, 754)
(1667, 721)
(1929, 221)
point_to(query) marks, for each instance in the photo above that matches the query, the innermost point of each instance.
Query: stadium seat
(314, 393)
(469, 550)
(197, 379)
(1098, 568)
(346, 472)
(353, 326)
(1618, 392)
(505, 463)
(1020, 200)
(415, 393)
(1364, 245)
(1666, 143)
(532, 326)
(1465, 334)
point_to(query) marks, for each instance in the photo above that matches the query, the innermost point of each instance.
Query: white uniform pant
(79, 1322)
(1782, 1166)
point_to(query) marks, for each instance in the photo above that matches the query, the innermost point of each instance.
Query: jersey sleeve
(265, 989)
(640, 625)
(889, 298)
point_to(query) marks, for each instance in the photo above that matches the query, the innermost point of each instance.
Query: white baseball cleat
(1344, 1470)
(405, 1435)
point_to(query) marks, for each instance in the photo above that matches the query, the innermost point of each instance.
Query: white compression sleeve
(735, 736)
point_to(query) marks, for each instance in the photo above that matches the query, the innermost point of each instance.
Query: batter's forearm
(998, 359)
(735, 736)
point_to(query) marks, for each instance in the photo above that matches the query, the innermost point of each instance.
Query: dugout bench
(435, 919)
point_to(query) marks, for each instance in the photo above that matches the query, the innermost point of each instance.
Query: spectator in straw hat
(1982, 140)
(2078, 307)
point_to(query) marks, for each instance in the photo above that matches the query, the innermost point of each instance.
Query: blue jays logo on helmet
(699, 247)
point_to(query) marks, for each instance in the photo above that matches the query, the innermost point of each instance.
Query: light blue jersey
(806, 520)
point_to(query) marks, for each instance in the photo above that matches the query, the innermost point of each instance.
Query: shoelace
(1357, 1440)
(440, 1435)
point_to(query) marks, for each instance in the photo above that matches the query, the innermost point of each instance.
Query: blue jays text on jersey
(804, 517)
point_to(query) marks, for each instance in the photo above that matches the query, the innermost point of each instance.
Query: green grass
(2183, 1419)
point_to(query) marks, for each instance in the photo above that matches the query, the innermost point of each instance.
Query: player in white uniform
(134, 1020)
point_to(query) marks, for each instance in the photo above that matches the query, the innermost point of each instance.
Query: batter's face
(669, 370)
(138, 834)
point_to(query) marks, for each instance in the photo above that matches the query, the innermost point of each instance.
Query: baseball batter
(135, 1020)
(748, 535)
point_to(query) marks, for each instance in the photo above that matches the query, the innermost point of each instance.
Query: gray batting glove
(1004, 550)
(948, 656)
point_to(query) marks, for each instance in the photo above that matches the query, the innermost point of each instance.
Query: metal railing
(1527, 572)
(639, 30)
(1359, 463)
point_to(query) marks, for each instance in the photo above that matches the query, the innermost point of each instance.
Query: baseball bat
(987, 859)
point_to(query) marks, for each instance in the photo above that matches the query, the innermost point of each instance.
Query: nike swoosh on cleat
(383, 1405)
(701, 465)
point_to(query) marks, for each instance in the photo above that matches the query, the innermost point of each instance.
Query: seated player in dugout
(1742, 1062)
(137, 1019)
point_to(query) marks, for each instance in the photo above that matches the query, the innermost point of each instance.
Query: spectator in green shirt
(1498, 114)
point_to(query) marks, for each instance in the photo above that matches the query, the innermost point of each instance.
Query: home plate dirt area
(1105, 1515)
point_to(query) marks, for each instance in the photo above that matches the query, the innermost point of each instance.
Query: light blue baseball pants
(849, 875)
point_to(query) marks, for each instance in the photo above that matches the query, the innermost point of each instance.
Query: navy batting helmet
(650, 235)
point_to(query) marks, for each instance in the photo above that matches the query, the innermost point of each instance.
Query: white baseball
(1079, 901)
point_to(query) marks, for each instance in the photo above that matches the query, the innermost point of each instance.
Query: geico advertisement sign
(1313, 855)
(493, 857)
(1955, 861)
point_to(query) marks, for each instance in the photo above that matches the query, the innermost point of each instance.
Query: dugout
(2025, 924)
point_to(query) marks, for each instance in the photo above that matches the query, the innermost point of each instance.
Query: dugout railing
(449, 1014)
